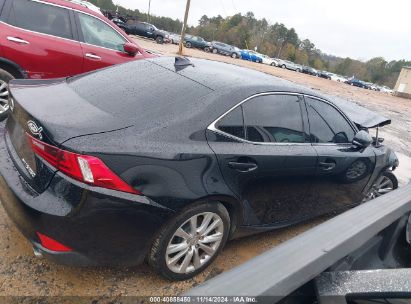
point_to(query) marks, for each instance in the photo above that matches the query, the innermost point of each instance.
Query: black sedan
(95, 173)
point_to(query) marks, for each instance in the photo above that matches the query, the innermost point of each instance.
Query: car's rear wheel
(298, 70)
(272, 64)
(283, 66)
(191, 241)
(207, 49)
(188, 44)
(5, 77)
(215, 51)
(234, 55)
(386, 183)
(159, 40)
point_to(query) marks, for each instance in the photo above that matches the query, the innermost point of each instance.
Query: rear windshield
(139, 91)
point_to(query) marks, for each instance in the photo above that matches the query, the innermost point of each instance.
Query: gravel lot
(23, 275)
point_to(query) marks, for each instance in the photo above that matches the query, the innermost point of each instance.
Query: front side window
(327, 125)
(274, 118)
(97, 33)
(41, 18)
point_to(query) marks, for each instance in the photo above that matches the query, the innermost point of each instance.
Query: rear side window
(327, 125)
(96, 32)
(274, 118)
(232, 123)
(41, 18)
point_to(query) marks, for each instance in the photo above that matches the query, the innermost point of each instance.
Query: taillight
(85, 168)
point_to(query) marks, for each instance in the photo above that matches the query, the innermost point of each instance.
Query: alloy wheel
(382, 186)
(4, 97)
(195, 242)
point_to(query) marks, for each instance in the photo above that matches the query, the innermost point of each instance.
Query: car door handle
(242, 167)
(92, 56)
(17, 40)
(327, 166)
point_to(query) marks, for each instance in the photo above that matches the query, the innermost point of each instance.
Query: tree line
(275, 40)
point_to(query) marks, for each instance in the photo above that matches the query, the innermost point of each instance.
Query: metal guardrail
(283, 269)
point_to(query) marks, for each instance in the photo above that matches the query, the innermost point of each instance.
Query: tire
(159, 40)
(166, 238)
(298, 70)
(215, 51)
(234, 55)
(207, 49)
(385, 183)
(5, 77)
(272, 64)
(188, 45)
(283, 66)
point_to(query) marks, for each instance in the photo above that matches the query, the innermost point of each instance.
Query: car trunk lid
(67, 116)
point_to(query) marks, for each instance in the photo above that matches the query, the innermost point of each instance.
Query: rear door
(342, 171)
(40, 38)
(101, 44)
(265, 158)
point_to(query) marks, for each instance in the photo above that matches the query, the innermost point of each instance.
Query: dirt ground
(22, 275)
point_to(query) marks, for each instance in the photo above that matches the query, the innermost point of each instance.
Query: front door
(266, 159)
(102, 46)
(342, 171)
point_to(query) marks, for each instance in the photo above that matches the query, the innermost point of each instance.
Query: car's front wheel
(191, 241)
(5, 77)
(215, 51)
(386, 183)
(159, 40)
(234, 55)
(188, 44)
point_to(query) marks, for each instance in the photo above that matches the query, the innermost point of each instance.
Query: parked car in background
(148, 30)
(309, 70)
(174, 38)
(324, 74)
(31, 29)
(356, 82)
(285, 64)
(251, 56)
(196, 42)
(225, 49)
(92, 181)
(269, 61)
(120, 23)
(338, 78)
(89, 5)
(386, 89)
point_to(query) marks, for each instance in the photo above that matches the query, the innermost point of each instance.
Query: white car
(268, 60)
(338, 78)
(87, 4)
(386, 89)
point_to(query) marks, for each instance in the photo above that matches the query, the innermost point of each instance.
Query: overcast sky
(360, 29)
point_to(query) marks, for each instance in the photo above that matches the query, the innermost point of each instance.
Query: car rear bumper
(103, 227)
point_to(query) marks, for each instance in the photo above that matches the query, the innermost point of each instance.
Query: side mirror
(131, 48)
(362, 139)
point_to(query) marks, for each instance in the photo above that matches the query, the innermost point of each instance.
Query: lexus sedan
(96, 174)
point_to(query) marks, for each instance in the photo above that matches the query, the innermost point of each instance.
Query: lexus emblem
(35, 129)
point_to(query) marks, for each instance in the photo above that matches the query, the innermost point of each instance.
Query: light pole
(148, 14)
(183, 30)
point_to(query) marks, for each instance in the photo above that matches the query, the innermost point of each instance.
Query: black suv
(147, 30)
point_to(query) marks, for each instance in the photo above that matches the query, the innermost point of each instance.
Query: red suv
(57, 38)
